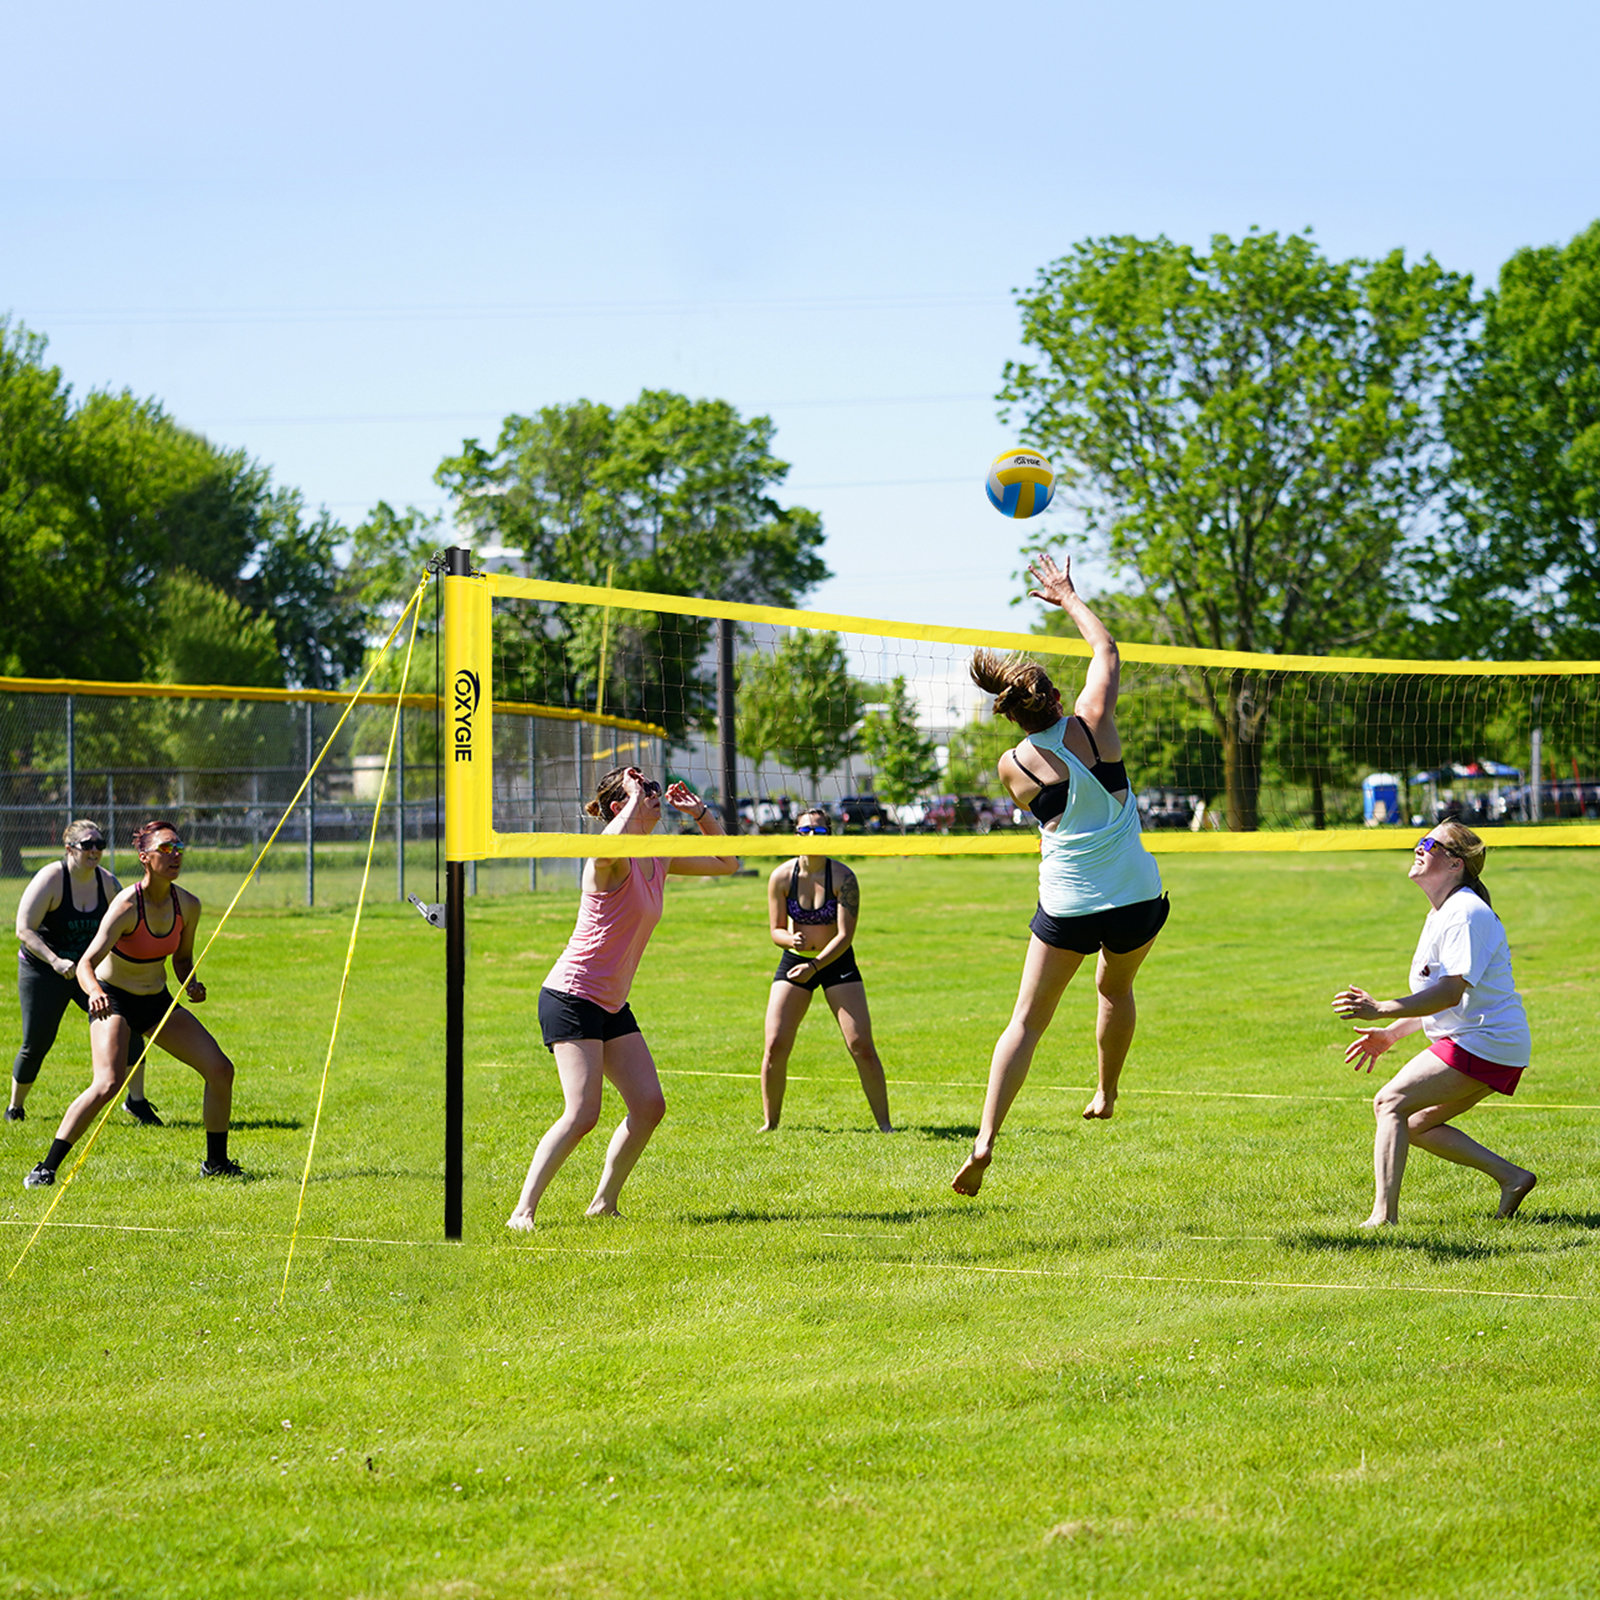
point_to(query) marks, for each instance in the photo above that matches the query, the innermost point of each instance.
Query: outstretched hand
(1055, 583)
(683, 798)
(1356, 1004)
(1367, 1046)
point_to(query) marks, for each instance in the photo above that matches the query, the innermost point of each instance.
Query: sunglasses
(1428, 846)
(169, 847)
(651, 788)
(89, 844)
(809, 829)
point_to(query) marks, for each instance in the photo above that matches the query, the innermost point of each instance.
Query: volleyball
(1021, 483)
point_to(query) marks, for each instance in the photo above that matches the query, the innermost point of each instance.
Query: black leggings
(45, 996)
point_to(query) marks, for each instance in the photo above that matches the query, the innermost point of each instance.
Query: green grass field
(1154, 1357)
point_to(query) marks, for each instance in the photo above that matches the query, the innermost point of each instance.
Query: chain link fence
(225, 766)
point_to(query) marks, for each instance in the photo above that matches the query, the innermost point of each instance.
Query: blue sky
(347, 236)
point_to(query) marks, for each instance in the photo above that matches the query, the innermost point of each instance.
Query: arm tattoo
(850, 894)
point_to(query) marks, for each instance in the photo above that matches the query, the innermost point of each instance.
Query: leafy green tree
(1254, 435)
(665, 494)
(298, 585)
(975, 752)
(804, 702)
(1522, 570)
(902, 757)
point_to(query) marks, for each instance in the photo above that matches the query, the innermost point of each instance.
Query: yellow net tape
(1036, 643)
(87, 1144)
(349, 957)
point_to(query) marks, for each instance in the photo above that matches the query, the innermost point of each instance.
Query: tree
(298, 585)
(975, 752)
(902, 758)
(666, 494)
(1254, 433)
(1522, 565)
(803, 701)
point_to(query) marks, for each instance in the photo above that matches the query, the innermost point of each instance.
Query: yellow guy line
(501, 583)
(100, 1121)
(349, 957)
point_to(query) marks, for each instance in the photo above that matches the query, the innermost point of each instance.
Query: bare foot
(520, 1222)
(884, 1127)
(599, 1208)
(1375, 1221)
(970, 1178)
(1101, 1106)
(768, 1127)
(1513, 1194)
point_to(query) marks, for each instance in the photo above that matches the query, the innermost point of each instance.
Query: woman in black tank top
(812, 903)
(58, 915)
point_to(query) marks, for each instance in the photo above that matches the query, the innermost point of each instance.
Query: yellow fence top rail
(327, 697)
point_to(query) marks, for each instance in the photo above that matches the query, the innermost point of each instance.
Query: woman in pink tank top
(584, 1015)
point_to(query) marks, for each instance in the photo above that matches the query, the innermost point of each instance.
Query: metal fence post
(72, 761)
(111, 823)
(533, 797)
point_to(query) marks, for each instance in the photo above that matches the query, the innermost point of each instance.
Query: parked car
(860, 811)
(770, 814)
(912, 816)
(1166, 808)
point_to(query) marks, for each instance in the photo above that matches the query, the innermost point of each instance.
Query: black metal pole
(725, 730)
(457, 565)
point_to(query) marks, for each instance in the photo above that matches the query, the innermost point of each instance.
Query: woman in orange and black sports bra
(124, 973)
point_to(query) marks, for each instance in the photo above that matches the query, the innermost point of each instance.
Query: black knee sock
(217, 1147)
(57, 1153)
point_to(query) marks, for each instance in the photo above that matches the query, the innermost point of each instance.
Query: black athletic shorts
(142, 1011)
(842, 969)
(1119, 930)
(566, 1017)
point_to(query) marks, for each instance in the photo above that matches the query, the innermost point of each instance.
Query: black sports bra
(1051, 800)
(828, 911)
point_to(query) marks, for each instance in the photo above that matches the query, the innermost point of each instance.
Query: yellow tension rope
(349, 957)
(100, 1122)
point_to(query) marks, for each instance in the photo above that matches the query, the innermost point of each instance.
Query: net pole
(468, 807)
(725, 725)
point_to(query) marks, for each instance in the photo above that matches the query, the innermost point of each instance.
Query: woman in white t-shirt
(1463, 998)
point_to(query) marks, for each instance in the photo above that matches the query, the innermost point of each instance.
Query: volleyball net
(765, 711)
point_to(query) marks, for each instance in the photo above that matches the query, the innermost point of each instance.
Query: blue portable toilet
(1380, 799)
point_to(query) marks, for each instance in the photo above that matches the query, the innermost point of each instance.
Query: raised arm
(1097, 702)
(684, 799)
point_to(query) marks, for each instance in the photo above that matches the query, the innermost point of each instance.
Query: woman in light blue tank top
(1099, 888)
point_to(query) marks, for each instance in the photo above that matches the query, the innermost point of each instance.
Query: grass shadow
(239, 1125)
(902, 1216)
(1373, 1241)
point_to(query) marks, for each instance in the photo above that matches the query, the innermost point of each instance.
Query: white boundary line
(500, 1248)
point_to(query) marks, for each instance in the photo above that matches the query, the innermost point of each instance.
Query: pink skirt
(1503, 1080)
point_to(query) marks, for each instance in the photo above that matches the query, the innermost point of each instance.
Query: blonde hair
(1468, 849)
(1021, 688)
(76, 832)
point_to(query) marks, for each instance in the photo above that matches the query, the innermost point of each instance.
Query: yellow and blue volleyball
(1021, 483)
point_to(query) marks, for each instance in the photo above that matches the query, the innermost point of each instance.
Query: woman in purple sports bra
(584, 1015)
(812, 902)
